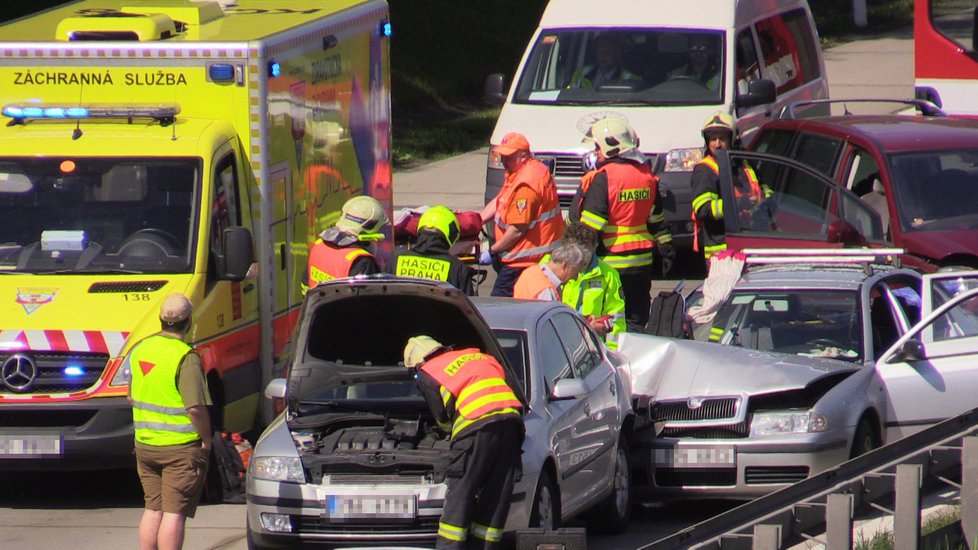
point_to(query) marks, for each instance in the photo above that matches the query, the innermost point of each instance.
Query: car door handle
(587, 408)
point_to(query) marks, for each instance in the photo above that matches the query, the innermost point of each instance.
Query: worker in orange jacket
(341, 250)
(544, 280)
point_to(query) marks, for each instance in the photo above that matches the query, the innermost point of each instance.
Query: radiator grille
(734, 431)
(427, 527)
(714, 408)
(51, 376)
(696, 478)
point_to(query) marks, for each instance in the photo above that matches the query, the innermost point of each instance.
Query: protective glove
(668, 254)
(485, 258)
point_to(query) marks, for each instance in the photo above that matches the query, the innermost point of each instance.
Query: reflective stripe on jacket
(632, 190)
(476, 381)
(546, 229)
(328, 262)
(422, 267)
(746, 187)
(159, 415)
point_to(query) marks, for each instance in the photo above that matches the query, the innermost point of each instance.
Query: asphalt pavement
(874, 67)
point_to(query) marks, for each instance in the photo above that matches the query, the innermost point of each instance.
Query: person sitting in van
(607, 67)
(702, 65)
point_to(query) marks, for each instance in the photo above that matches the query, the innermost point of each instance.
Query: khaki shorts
(172, 477)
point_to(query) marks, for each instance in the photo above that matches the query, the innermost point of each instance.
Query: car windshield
(624, 67)
(936, 190)
(822, 323)
(86, 215)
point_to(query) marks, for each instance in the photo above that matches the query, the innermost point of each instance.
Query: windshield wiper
(99, 271)
(334, 404)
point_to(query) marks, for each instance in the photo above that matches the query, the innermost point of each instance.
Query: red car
(907, 181)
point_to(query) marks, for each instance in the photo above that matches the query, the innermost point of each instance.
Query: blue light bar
(385, 29)
(221, 72)
(74, 371)
(274, 69)
(155, 111)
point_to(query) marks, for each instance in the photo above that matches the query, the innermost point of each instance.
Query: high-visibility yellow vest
(158, 411)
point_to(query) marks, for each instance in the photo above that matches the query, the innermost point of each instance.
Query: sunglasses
(699, 49)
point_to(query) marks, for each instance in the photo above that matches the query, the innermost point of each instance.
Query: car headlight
(277, 468)
(683, 160)
(787, 422)
(495, 161)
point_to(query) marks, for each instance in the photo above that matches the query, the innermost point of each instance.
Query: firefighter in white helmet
(341, 250)
(469, 397)
(719, 132)
(620, 200)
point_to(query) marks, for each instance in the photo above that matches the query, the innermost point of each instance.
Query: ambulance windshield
(98, 215)
(624, 67)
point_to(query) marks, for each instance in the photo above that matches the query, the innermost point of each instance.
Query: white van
(663, 66)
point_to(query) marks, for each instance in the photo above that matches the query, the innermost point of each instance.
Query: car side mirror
(494, 92)
(276, 389)
(568, 388)
(910, 351)
(238, 253)
(841, 231)
(759, 92)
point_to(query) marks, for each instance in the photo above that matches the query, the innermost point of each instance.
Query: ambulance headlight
(683, 160)
(122, 375)
(277, 468)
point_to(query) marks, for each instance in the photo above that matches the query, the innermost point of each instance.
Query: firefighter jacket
(537, 282)
(473, 389)
(328, 261)
(430, 258)
(620, 201)
(597, 292)
(158, 412)
(547, 225)
(708, 208)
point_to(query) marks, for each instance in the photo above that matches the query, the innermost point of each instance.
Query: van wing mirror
(759, 92)
(494, 92)
(237, 254)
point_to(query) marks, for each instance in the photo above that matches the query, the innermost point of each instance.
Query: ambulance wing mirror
(759, 92)
(494, 92)
(238, 254)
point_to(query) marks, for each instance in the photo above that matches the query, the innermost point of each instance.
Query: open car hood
(667, 368)
(352, 332)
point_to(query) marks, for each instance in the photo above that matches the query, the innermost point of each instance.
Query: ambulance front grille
(53, 375)
(126, 286)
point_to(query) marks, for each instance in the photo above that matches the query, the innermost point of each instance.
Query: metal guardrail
(822, 508)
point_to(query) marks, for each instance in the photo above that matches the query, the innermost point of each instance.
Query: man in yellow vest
(467, 393)
(169, 397)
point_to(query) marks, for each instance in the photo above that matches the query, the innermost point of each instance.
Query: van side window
(789, 50)
(748, 66)
(224, 203)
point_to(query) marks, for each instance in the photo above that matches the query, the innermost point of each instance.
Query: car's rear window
(514, 346)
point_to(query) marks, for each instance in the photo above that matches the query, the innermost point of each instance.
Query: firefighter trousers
(636, 286)
(480, 485)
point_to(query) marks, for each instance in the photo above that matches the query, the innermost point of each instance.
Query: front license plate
(694, 457)
(340, 507)
(30, 446)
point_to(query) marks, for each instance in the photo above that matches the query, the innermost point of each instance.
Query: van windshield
(624, 67)
(97, 215)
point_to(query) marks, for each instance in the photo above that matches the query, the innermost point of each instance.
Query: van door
(806, 209)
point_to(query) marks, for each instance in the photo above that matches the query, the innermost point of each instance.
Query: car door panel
(940, 384)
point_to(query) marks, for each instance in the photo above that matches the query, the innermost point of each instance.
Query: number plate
(31, 446)
(694, 457)
(343, 507)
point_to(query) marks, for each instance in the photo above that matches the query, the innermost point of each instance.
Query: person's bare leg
(171, 531)
(149, 528)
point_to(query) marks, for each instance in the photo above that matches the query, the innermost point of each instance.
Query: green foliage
(833, 18)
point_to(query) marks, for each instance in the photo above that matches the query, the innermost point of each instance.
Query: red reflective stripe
(56, 340)
(96, 342)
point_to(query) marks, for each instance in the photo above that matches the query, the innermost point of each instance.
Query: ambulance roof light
(165, 113)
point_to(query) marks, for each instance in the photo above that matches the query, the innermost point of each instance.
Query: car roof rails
(852, 256)
(821, 107)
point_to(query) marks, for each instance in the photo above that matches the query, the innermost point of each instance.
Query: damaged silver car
(820, 362)
(357, 459)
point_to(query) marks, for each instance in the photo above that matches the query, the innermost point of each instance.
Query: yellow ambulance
(150, 147)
